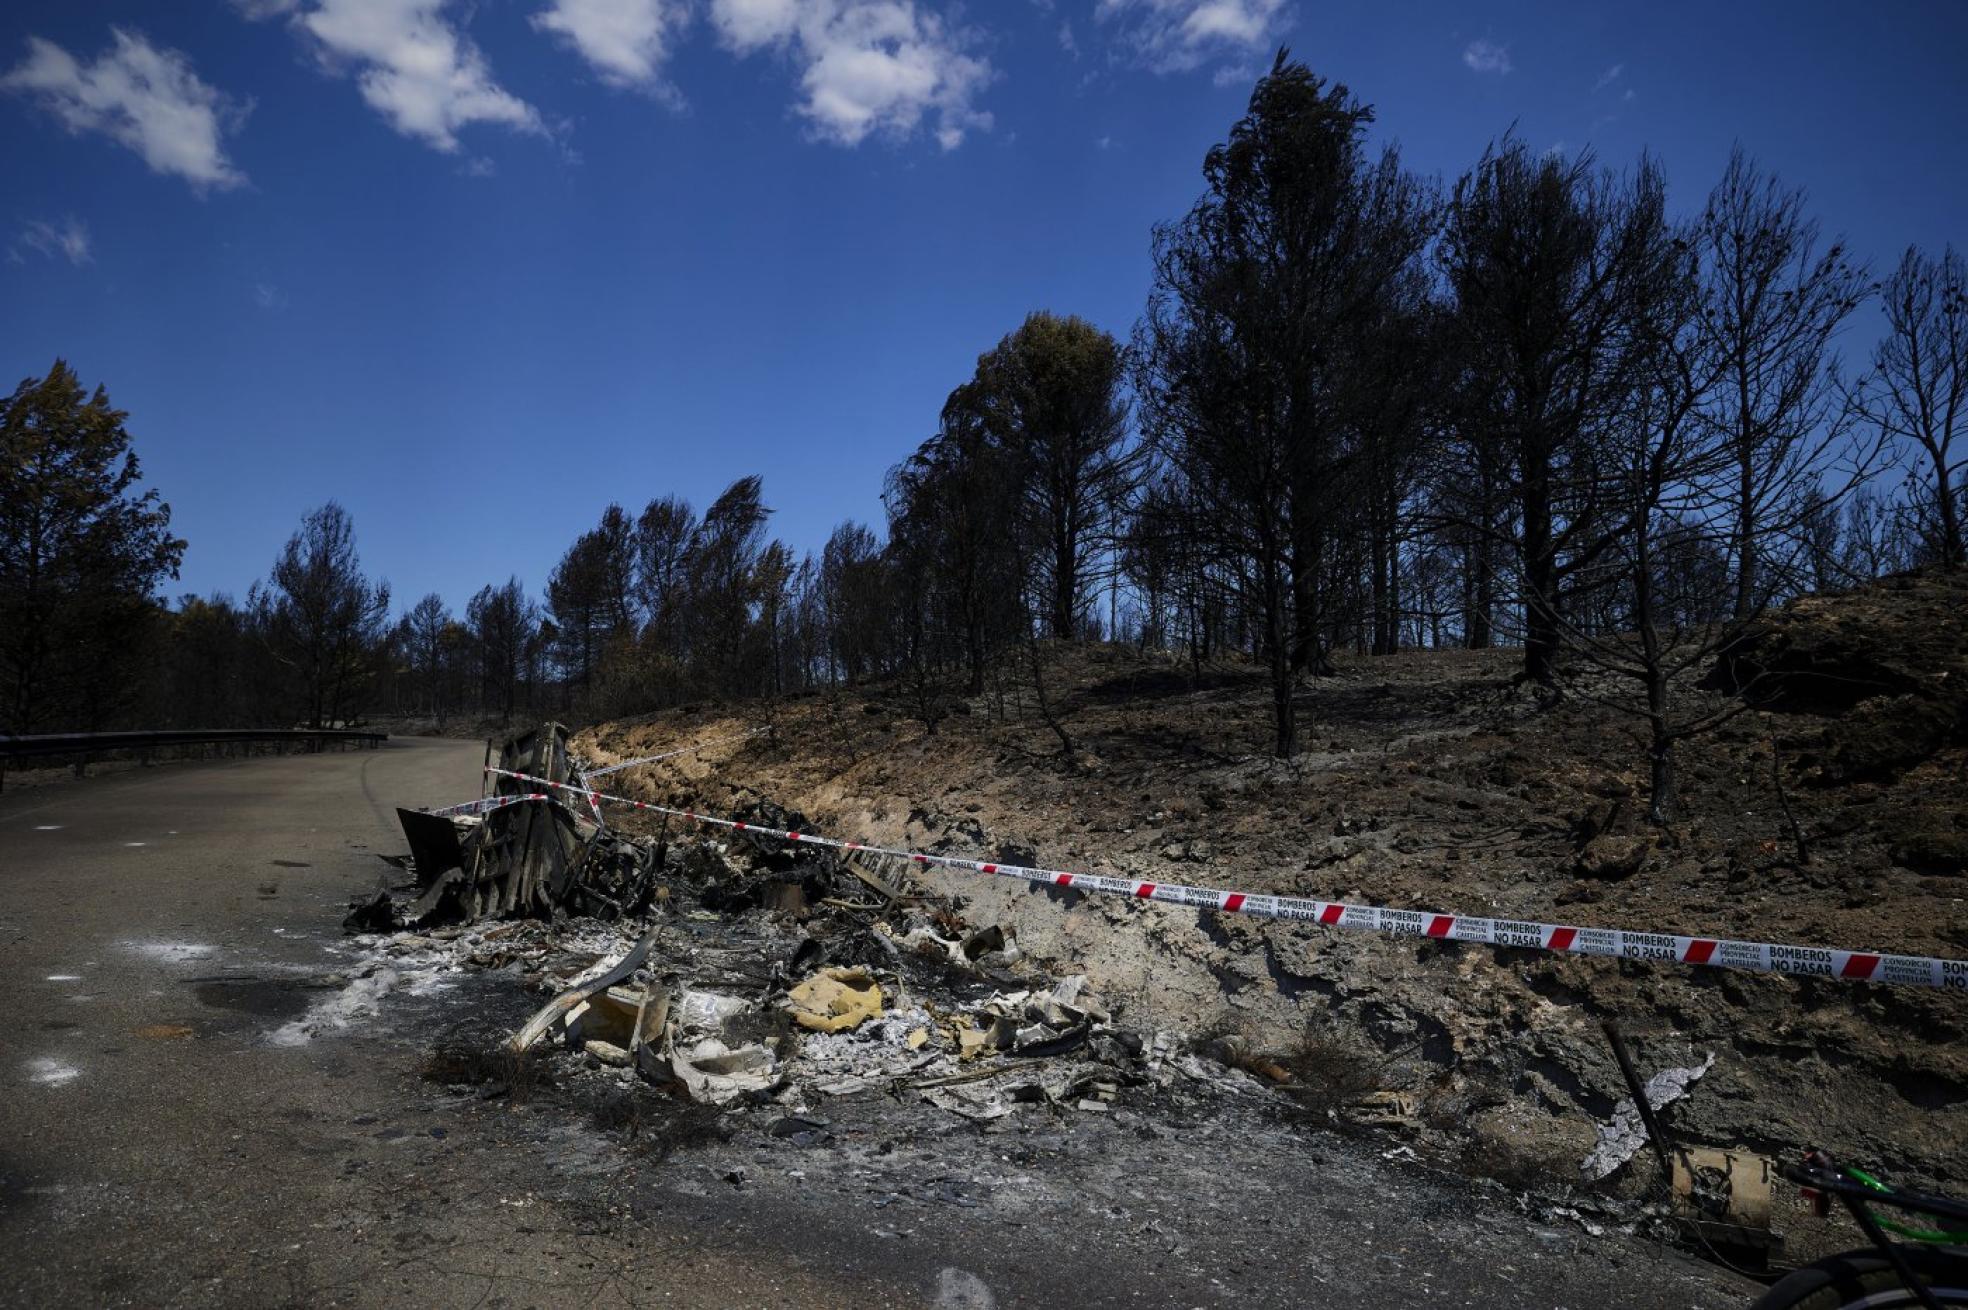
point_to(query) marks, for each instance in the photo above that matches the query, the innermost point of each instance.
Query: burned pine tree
(1247, 358)
(1916, 394)
(1699, 503)
(504, 626)
(1661, 477)
(322, 618)
(953, 550)
(1538, 252)
(82, 546)
(1772, 303)
(1050, 395)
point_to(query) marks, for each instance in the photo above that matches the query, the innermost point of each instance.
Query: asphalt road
(165, 1139)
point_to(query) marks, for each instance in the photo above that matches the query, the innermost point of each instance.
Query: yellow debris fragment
(835, 1000)
(971, 1041)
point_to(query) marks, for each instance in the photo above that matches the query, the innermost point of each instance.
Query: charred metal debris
(517, 854)
(739, 971)
(736, 974)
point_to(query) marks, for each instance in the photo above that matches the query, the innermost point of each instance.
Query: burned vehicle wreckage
(872, 985)
(518, 852)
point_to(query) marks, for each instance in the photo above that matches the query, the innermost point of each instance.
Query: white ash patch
(164, 952)
(838, 1064)
(396, 966)
(51, 1073)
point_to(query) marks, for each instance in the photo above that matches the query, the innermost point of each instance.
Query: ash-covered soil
(1429, 781)
(1096, 1165)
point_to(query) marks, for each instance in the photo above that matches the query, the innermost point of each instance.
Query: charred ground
(1834, 812)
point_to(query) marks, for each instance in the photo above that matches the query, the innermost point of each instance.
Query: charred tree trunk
(1746, 552)
(1479, 596)
(1306, 650)
(1660, 733)
(1384, 582)
(1279, 658)
(1065, 584)
(1541, 633)
(1952, 551)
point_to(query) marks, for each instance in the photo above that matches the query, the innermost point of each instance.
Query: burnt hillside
(1834, 812)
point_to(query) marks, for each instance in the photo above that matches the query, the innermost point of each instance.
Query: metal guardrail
(88, 743)
(82, 746)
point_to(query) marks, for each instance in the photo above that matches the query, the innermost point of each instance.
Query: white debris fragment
(171, 952)
(707, 1012)
(51, 1073)
(715, 1073)
(974, 1101)
(1622, 1138)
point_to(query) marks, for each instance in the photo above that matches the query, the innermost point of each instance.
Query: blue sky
(477, 269)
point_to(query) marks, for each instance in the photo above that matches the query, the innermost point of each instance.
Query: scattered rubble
(702, 976)
(757, 975)
(782, 987)
(926, 1019)
(791, 1022)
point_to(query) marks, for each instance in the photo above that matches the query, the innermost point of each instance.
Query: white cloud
(746, 25)
(626, 41)
(412, 67)
(268, 296)
(1487, 57)
(143, 97)
(67, 240)
(866, 66)
(1174, 36)
(1609, 77)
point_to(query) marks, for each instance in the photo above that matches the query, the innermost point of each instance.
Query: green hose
(1941, 1236)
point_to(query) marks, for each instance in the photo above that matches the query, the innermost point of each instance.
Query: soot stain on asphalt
(265, 998)
(16, 1191)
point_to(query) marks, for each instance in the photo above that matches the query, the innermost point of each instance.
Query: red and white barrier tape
(594, 802)
(486, 804)
(670, 755)
(1765, 957)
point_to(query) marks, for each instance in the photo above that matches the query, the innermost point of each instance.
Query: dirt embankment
(1836, 814)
